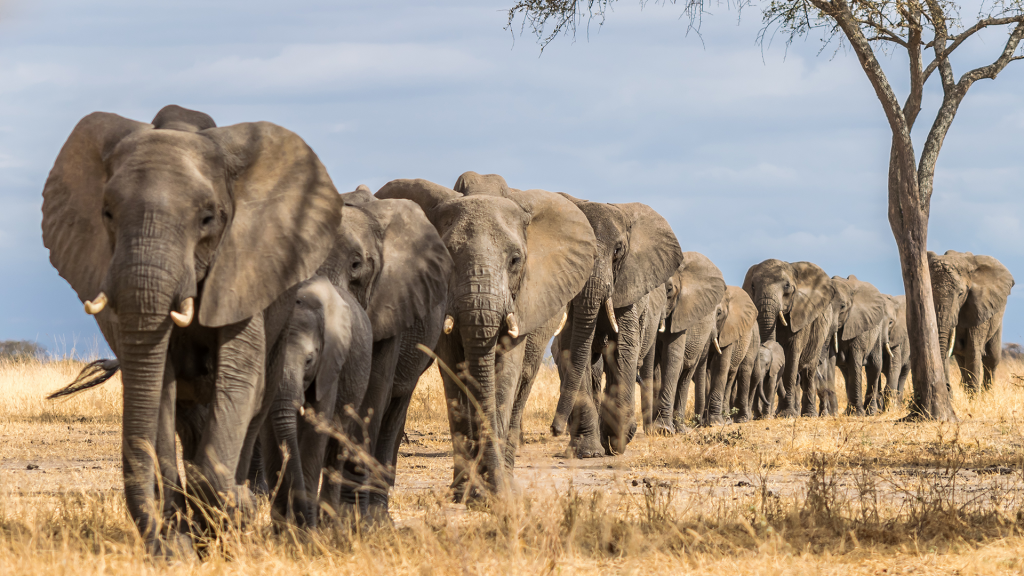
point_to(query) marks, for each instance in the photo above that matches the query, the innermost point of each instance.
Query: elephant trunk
(291, 501)
(767, 314)
(586, 307)
(481, 306)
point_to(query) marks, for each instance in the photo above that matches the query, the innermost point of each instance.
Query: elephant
(391, 259)
(519, 257)
(804, 292)
(860, 340)
(896, 362)
(731, 362)
(637, 252)
(767, 375)
(970, 295)
(693, 294)
(156, 225)
(323, 362)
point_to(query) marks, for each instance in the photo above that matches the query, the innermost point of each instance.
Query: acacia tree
(929, 31)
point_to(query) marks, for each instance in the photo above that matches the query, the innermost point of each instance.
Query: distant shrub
(21, 350)
(1013, 350)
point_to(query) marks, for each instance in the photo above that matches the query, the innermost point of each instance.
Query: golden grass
(835, 495)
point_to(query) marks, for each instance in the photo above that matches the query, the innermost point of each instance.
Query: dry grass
(837, 495)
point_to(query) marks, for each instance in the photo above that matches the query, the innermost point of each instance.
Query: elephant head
(389, 256)
(693, 292)
(636, 252)
(968, 290)
(519, 256)
(799, 290)
(736, 317)
(155, 225)
(896, 309)
(316, 342)
(861, 307)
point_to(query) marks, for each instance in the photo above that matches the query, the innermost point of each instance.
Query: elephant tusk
(888, 350)
(952, 339)
(96, 305)
(513, 326)
(661, 327)
(835, 340)
(717, 347)
(782, 318)
(184, 318)
(565, 316)
(449, 323)
(610, 309)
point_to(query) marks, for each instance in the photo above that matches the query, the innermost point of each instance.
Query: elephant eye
(618, 250)
(356, 264)
(107, 215)
(515, 260)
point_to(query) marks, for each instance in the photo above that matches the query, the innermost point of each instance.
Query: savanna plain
(809, 496)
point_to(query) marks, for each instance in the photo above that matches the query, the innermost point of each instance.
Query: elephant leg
(852, 373)
(700, 389)
(169, 490)
(618, 405)
(874, 382)
(744, 388)
(808, 382)
(673, 350)
(585, 439)
(239, 388)
(991, 357)
(449, 351)
(975, 368)
(716, 395)
(790, 378)
(647, 391)
(533, 355)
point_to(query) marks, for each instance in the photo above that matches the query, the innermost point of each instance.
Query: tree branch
(912, 107)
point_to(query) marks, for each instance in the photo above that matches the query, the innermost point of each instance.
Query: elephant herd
(278, 328)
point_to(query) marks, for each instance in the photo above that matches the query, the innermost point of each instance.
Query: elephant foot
(175, 548)
(787, 413)
(584, 447)
(854, 411)
(712, 421)
(662, 428)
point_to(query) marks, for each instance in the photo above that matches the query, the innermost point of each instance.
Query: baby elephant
(323, 364)
(767, 378)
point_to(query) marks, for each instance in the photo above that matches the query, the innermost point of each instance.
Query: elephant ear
(652, 256)
(899, 328)
(701, 288)
(73, 227)
(471, 183)
(358, 197)
(814, 292)
(336, 333)
(423, 192)
(286, 213)
(560, 253)
(741, 318)
(866, 310)
(415, 269)
(990, 287)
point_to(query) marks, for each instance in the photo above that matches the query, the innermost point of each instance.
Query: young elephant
(896, 362)
(731, 362)
(693, 294)
(323, 363)
(767, 377)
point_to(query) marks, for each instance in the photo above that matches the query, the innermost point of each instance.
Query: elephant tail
(94, 374)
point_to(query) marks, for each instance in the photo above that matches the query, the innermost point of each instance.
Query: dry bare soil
(823, 496)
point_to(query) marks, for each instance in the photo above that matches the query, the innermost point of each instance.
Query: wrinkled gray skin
(970, 295)
(729, 372)
(636, 253)
(803, 293)
(519, 257)
(896, 362)
(152, 215)
(691, 312)
(863, 332)
(391, 259)
(322, 362)
(771, 360)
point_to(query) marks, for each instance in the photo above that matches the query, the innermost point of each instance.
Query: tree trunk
(909, 221)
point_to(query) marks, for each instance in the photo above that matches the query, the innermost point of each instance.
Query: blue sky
(749, 153)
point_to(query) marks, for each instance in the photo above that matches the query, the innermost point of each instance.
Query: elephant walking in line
(154, 226)
(519, 257)
(610, 322)
(970, 295)
(391, 259)
(767, 375)
(693, 294)
(896, 362)
(863, 332)
(731, 362)
(323, 363)
(803, 292)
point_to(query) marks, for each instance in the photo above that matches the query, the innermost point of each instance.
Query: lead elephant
(391, 259)
(693, 294)
(610, 318)
(970, 295)
(804, 292)
(896, 362)
(519, 257)
(322, 363)
(155, 226)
